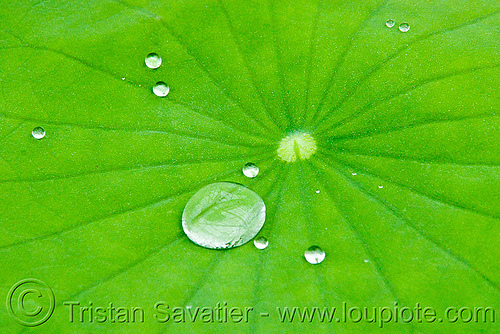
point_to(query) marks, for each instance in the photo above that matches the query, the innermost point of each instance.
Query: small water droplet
(314, 255)
(38, 133)
(354, 173)
(380, 187)
(261, 243)
(404, 27)
(161, 89)
(123, 78)
(317, 191)
(250, 170)
(390, 23)
(223, 215)
(153, 60)
(366, 260)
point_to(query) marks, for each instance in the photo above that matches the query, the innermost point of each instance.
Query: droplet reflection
(223, 215)
(38, 132)
(161, 89)
(153, 61)
(250, 170)
(314, 255)
(261, 243)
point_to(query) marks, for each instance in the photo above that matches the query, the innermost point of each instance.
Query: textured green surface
(94, 208)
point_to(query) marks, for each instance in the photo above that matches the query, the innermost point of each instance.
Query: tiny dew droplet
(314, 255)
(404, 27)
(390, 23)
(380, 187)
(354, 173)
(161, 89)
(250, 170)
(317, 191)
(261, 243)
(153, 60)
(38, 133)
(223, 215)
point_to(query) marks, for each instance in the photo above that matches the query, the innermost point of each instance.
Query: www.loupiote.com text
(223, 313)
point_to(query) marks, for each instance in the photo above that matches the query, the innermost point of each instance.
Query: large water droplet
(250, 170)
(314, 255)
(153, 60)
(223, 215)
(261, 243)
(161, 89)
(404, 27)
(390, 23)
(38, 133)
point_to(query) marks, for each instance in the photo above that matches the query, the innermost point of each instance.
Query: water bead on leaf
(38, 133)
(223, 215)
(261, 243)
(153, 61)
(404, 27)
(314, 255)
(161, 89)
(250, 170)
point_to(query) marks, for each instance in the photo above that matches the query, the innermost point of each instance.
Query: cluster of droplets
(203, 206)
(403, 27)
(226, 215)
(153, 61)
(313, 255)
(161, 89)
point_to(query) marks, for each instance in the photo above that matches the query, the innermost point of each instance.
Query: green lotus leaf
(379, 146)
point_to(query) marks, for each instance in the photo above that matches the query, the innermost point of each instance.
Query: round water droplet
(153, 60)
(250, 170)
(354, 173)
(404, 27)
(261, 243)
(380, 187)
(390, 23)
(38, 133)
(161, 89)
(223, 215)
(317, 191)
(314, 255)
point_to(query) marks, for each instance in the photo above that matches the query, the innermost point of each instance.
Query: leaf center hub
(297, 145)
